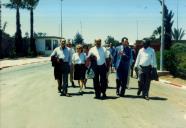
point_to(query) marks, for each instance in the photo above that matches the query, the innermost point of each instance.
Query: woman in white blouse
(78, 60)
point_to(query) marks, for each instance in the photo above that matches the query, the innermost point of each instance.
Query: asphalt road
(29, 99)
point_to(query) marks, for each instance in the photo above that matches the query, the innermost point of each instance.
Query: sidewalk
(5, 63)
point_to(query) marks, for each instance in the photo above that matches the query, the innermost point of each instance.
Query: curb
(171, 83)
(22, 64)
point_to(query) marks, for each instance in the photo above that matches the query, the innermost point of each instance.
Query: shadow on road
(79, 94)
(151, 98)
(132, 96)
(89, 88)
(133, 88)
(110, 98)
(90, 92)
(157, 98)
(111, 87)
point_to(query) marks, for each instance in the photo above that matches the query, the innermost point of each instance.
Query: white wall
(40, 45)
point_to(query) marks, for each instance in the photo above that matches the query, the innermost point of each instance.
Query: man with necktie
(122, 65)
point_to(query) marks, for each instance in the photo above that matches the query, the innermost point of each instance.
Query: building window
(48, 45)
(55, 44)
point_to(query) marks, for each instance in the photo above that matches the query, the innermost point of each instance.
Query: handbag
(90, 73)
(54, 60)
(154, 74)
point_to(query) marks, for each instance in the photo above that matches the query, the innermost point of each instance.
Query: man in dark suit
(122, 65)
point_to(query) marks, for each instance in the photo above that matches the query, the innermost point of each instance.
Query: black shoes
(146, 97)
(73, 85)
(97, 97)
(138, 92)
(104, 96)
(67, 95)
(121, 95)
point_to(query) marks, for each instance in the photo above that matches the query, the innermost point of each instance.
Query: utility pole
(137, 24)
(61, 20)
(81, 28)
(177, 14)
(162, 37)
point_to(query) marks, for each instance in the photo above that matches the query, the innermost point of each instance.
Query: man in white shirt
(146, 59)
(99, 80)
(63, 55)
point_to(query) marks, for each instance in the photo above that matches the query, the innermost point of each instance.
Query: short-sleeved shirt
(99, 53)
(64, 54)
(78, 58)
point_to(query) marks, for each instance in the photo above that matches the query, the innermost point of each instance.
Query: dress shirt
(64, 54)
(146, 57)
(78, 58)
(99, 53)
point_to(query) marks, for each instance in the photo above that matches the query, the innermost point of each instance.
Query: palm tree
(17, 4)
(31, 5)
(1, 56)
(157, 33)
(168, 22)
(178, 34)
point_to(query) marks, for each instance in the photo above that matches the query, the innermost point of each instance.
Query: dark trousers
(121, 82)
(144, 79)
(131, 69)
(64, 70)
(100, 80)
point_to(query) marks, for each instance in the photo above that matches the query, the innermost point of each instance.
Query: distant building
(45, 45)
(154, 44)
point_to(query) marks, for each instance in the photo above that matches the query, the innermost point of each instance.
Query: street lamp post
(162, 38)
(177, 13)
(61, 20)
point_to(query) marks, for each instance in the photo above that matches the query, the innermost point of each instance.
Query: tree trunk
(1, 54)
(32, 40)
(18, 37)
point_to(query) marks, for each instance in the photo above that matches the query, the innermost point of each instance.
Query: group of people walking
(100, 59)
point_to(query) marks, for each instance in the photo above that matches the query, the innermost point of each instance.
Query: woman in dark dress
(78, 60)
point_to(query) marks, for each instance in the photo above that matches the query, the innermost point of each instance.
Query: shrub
(174, 60)
(179, 47)
(170, 61)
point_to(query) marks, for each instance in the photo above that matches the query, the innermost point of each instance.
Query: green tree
(157, 33)
(168, 22)
(78, 39)
(31, 5)
(178, 34)
(40, 34)
(17, 4)
(111, 40)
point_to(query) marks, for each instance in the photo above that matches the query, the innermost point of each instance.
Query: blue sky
(99, 18)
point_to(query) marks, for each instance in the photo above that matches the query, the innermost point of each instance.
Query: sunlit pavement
(29, 99)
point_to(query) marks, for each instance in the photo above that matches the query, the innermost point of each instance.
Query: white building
(47, 44)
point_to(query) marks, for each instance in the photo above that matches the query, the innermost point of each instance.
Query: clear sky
(99, 18)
